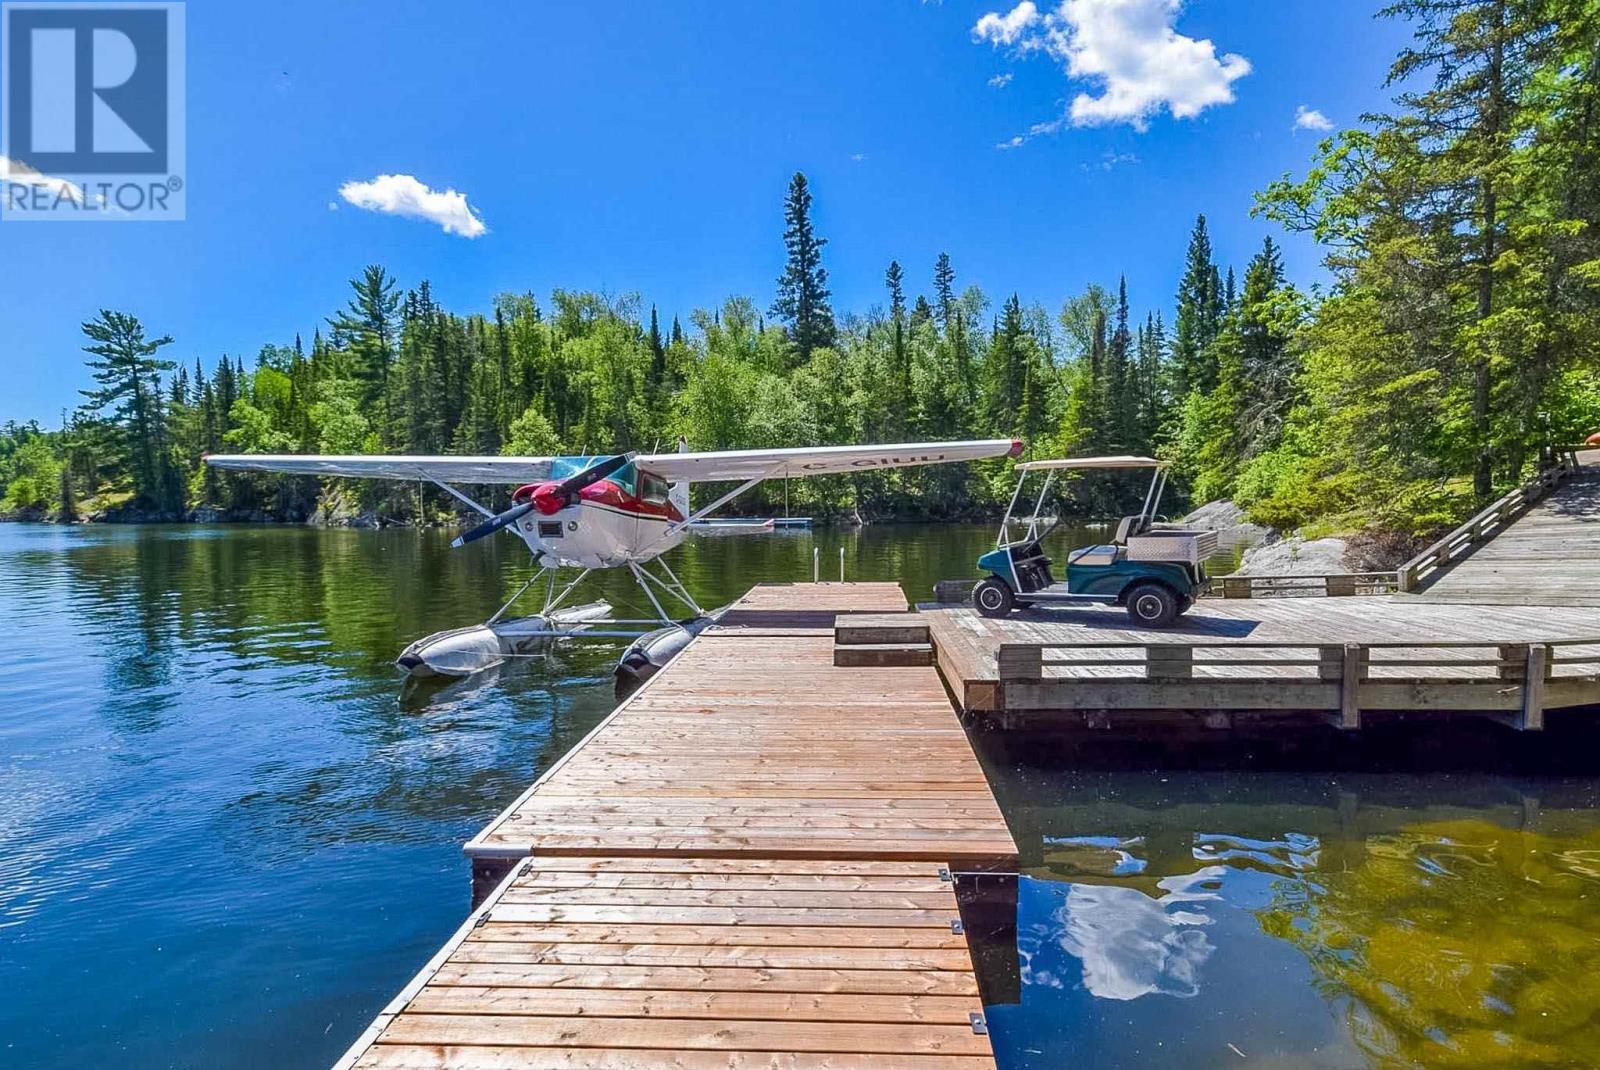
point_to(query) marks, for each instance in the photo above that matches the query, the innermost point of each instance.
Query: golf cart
(1155, 570)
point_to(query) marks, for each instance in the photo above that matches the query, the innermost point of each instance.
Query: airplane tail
(678, 493)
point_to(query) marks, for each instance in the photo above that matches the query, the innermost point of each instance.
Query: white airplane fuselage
(608, 526)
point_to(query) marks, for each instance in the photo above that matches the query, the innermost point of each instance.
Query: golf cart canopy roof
(1092, 462)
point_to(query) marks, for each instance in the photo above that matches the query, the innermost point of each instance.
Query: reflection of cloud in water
(1129, 944)
(1106, 855)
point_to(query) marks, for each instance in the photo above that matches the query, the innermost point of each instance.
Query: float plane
(617, 511)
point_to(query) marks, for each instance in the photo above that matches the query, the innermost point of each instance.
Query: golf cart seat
(1093, 555)
(1128, 527)
(1032, 565)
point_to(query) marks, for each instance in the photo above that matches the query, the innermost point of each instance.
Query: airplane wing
(818, 460)
(366, 466)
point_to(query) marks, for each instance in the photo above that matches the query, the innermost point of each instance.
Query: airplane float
(588, 513)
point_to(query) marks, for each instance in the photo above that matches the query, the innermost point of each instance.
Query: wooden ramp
(1548, 557)
(751, 862)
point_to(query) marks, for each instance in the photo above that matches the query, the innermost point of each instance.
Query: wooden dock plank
(754, 742)
(493, 1057)
(847, 972)
(747, 864)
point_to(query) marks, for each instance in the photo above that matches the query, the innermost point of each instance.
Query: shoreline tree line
(1460, 338)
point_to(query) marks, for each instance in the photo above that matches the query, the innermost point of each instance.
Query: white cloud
(1311, 119)
(1012, 143)
(403, 195)
(1000, 81)
(20, 174)
(1129, 51)
(1110, 161)
(1008, 29)
(857, 157)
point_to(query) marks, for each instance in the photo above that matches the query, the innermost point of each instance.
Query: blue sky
(645, 147)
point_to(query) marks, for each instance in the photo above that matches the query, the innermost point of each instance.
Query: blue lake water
(228, 835)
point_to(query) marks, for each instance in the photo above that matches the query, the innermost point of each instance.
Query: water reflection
(228, 834)
(1380, 921)
(1128, 944)
(1459, 943)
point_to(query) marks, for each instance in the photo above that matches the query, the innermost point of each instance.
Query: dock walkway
(750, 862)
(1550, 556)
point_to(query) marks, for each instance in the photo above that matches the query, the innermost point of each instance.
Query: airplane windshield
(626, 477)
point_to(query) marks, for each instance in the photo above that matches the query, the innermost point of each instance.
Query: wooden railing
(1330, 586)
(1466, 676)
(1488, 523)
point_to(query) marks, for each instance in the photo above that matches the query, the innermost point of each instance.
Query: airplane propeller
(548, 499)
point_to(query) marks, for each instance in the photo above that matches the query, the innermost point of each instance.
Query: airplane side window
(652, 488)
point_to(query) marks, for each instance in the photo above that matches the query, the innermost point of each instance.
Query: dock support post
(988, 906)
(1330, 663)
(1354, 671)
(1020, 661)
(1538, 661)
(1169, 661)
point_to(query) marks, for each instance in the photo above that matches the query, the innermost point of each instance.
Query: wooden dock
(757, 859)
(1270, 662)
(1493, 633)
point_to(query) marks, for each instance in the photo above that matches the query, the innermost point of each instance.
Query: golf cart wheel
(1153, 605)
(993, 597)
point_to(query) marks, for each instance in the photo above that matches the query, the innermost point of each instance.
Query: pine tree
(944, 290)
(129, 376)
(1007, 372)
(1483, 56)
(658, 355)
(900, 356)
(1153, 409)
(802, 300)
(367, 328)
(1121, 408)
(1266, 326)
(1199, 318)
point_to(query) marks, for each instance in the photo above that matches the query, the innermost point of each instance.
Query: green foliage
(32, 474)
(532, 435)
(1461, 337)
(336, 420)
(1457, 342)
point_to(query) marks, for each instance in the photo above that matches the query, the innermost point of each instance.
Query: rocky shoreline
(1269, 552)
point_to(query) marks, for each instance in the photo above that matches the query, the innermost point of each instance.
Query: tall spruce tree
(944, 290)
(1121, 405)
(802, 300)
(1200, 309)
(367, 328)
(1006, 370)
(900, 355)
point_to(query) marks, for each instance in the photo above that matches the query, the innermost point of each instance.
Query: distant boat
(731, 527)
(792, 521)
